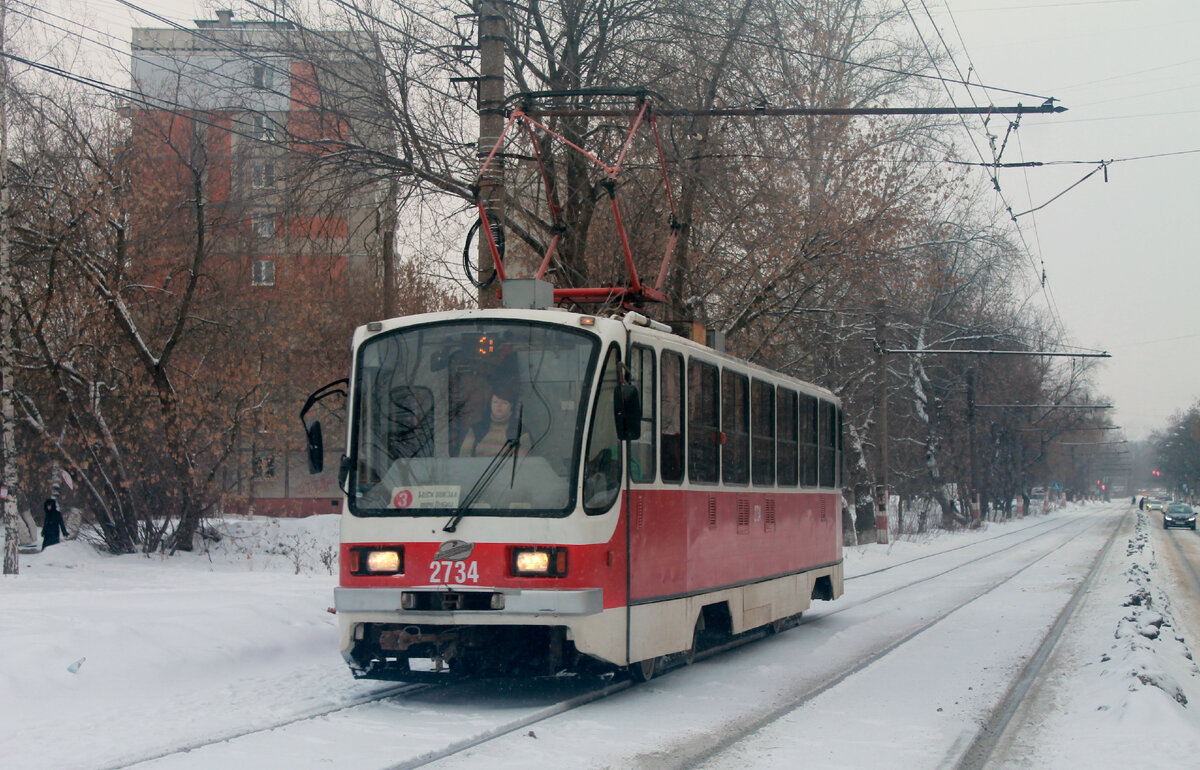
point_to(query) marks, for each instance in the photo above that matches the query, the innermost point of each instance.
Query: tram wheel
(643, 671)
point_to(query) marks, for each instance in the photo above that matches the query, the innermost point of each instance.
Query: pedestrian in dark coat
(53, 524)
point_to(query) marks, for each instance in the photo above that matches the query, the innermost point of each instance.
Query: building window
(264, 225)
(264, 272)
(262, 176)
(263, 77)
(265, 129)
(264, 466)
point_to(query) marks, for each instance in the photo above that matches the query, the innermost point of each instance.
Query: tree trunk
(12, 565)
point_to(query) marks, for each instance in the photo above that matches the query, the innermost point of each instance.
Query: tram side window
(762, 432)
(827, 446)
(641, 375)
(785, 411)
(808, 441)
(840, 457)
(704, 427)
(735, 419)
(672, 417)
(602, 468)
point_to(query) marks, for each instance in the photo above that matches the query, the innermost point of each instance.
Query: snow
(174, 651)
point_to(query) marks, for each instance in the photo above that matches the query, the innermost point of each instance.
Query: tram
(532, 491)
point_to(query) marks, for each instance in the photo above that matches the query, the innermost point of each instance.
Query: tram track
(697, 751)
(851, 604)
(606, 688)
(386, 693)
(964, 546)
(981, 750)
(512, 726)
(757, 635)
(741, 729)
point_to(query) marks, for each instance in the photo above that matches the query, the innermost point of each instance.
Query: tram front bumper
(430, 603)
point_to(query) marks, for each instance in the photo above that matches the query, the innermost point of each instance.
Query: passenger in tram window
(487, 436)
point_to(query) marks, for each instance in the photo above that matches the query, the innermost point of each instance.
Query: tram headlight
(377, 561)
(541, 561)
(532, 562)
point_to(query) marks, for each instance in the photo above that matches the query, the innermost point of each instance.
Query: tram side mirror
(627, 412)
(312, 433)
(316, 448)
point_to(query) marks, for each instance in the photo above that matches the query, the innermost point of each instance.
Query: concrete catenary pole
(883, 491)
(973, 449)
(493, 33)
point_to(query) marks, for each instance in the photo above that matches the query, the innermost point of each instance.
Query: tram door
(658, 531)
(657, 510)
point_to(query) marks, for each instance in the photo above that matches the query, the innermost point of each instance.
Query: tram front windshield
(437, 407)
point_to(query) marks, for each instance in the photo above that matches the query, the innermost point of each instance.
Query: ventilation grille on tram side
(743, 513)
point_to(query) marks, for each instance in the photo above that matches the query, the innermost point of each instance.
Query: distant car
(1179, 515)
(1153, 504)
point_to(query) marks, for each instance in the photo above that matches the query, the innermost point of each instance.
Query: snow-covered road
(903, 671)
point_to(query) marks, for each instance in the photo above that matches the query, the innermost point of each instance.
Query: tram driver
(486, 437)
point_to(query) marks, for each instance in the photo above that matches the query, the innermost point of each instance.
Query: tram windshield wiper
(516, 450)
(510, 448)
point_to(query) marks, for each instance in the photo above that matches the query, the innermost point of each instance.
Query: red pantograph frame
(636, 292)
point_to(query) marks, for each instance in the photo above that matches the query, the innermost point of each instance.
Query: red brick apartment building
(254, 118)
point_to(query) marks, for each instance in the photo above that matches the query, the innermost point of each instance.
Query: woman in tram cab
(487, 436)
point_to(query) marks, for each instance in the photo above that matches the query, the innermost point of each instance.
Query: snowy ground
(104, 660)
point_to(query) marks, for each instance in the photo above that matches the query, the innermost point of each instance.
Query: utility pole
(883, 494)
(972, 447)
(389, 275)
(493, 34)
(8, 484)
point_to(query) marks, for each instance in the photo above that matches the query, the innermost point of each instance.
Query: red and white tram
(531, 491)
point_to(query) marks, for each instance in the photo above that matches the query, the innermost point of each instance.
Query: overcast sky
(1120, 257)
(1118, 254)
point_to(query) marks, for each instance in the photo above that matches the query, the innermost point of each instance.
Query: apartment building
(273, 130)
